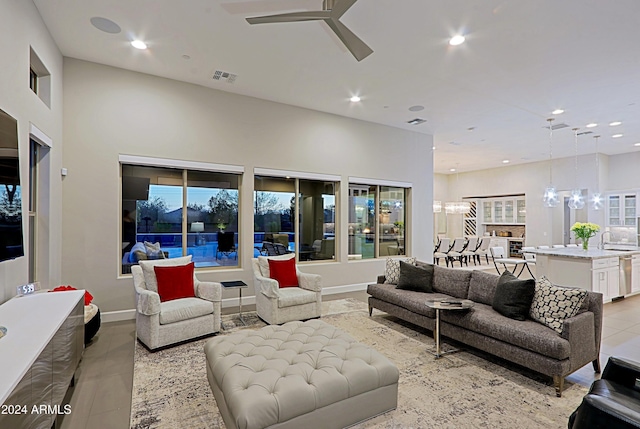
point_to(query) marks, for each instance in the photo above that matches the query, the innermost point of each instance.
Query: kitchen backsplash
(516, 230)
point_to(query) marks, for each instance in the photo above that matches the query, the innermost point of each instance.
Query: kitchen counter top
(579, 253)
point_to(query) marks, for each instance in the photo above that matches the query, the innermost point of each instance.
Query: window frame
(378, 184)
(184, 167)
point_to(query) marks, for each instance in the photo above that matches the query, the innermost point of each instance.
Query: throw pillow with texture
(175, 282)
(392, 269)
(153, 250)
(419, 279)
(284, 272)
(552, 304)
(513, 296)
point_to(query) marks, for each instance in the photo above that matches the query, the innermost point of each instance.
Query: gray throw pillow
(513, 296)
(419, 279)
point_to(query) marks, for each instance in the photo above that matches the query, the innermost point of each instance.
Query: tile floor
(101, 397)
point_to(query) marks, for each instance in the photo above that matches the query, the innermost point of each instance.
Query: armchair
(277, 305)
(159, 324)
(613, 401)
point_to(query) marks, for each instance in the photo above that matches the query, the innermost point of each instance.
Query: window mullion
(184, 213)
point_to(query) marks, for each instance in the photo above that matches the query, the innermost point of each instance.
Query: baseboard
(117, 316)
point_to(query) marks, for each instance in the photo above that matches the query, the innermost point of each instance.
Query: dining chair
(470, 250)
(497, 253)
(483, 249)
(455, 253)
(441, 251)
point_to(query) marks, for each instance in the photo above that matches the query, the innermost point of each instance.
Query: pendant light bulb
(576, 200)
(550, 197)
(597, 202)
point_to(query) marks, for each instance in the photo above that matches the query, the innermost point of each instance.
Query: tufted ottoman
(298, 375)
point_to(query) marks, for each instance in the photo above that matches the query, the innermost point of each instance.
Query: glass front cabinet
(621, 209)
(504, 211)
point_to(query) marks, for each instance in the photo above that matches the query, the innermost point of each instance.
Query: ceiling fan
(332, 11)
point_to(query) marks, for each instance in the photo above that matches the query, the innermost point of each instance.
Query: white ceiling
(522, 59)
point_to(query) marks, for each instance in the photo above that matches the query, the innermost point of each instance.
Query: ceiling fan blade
(341, 7)
(354, 44)
(290, 17)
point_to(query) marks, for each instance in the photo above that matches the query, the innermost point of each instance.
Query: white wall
(110, 111)
(623, 173)
(20, 28)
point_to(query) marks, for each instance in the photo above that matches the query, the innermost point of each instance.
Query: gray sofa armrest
(581, 333)
(148, 302)
(312, 282)
(211, 291)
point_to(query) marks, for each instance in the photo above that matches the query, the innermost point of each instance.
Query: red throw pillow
(175, 282)
(284, 272)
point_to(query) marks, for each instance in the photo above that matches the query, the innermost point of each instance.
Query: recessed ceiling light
(471, 128)
(139, 44)
(452, 169)
(505, 161)
(616, 136)
(416, 108)
(186, 57)
(557, 112)
(104, 24)
(434, 148)
(456, 40)
(614, 123)
(355, 99)
(591, 125)
(636, 144)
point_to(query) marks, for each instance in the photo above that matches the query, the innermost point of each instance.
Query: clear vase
(585, 244)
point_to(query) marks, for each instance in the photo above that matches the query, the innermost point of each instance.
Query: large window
(377, 221)
(310, 233)
(154, 225)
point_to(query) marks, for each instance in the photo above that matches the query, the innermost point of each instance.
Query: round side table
(446, 305)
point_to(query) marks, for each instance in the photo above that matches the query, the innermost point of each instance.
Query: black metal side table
(237, 284)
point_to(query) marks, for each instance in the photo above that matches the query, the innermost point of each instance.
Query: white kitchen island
(594, 269)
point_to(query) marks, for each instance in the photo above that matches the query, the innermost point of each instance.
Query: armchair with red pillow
(283, 292)
(172, 305)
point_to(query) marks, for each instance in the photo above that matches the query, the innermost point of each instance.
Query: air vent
(558, 126)
(585, 133)
(224, 76)
(416, 121)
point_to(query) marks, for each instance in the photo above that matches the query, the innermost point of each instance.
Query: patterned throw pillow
(552, 304)
(392, 269)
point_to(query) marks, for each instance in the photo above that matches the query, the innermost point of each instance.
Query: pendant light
(550, 198)
(576, 201)
(457, 207)
(596, 198)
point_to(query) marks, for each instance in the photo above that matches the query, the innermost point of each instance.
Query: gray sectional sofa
(526, 343)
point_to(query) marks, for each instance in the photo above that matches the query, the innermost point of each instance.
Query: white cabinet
(503, 211)
(605, 274)
(635, 274)
(621, 209)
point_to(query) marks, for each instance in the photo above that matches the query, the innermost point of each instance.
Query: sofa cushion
(150, 280)
(416, 278)
(526, 334)
(482, 287)
(291, 296)
(451, 282)
(184, 309)
(513, 296)
(409, 299)
(392, 269)
(552, 304)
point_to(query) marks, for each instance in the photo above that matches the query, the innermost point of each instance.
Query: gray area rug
(462, 390)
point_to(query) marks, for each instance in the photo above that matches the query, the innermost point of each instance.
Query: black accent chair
(226, 244)
(613, 402)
